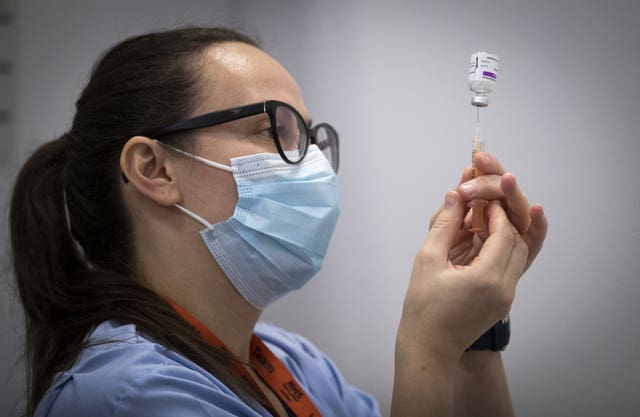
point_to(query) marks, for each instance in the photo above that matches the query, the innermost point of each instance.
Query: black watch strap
(496, 338)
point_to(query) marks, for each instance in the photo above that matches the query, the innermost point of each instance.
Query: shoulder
(317, 374)
(125, 374)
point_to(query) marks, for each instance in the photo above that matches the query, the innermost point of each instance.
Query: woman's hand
(496, 184)
(450, 302)
(462, 284)
(452, 299)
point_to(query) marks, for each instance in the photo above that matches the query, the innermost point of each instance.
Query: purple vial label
(489, 74)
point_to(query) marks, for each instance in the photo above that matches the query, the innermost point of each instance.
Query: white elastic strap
(199, 158)
(66, 209)
(194, 216)
(77, 244)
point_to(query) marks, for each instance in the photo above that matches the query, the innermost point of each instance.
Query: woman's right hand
(450, 302)
(448, 305)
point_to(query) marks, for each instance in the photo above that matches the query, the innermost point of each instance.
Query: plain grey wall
(391, 76)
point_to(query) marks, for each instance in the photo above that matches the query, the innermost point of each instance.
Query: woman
(196, 135)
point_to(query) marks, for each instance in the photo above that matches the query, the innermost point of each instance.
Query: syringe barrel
(477, 145)
(477, 206)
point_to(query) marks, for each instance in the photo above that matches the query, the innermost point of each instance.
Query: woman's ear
(145, 165)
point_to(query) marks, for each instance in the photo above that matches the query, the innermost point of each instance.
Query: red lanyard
(270, 369)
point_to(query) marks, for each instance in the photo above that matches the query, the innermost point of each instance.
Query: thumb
(444, 229)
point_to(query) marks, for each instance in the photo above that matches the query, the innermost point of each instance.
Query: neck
(229, 319)
(234, 325)
(203, 290)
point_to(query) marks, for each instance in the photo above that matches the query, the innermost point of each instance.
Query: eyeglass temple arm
(214, 118)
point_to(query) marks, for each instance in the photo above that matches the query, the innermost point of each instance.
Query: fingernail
(450, 200)
(468, 189)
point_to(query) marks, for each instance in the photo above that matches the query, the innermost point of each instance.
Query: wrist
(495, 339)
(481, 384)
(478, 360)
(416, 347)
(423, 381)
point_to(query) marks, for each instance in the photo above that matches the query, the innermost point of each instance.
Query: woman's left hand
(496, 184)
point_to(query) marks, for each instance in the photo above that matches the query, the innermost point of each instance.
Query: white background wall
(391, 76)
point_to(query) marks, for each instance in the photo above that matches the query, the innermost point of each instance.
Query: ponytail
(39, 230)
(44, 254)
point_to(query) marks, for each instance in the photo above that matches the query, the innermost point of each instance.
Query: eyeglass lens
(292, 133)
(327, 140)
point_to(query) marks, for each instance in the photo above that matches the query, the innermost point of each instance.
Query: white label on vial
(483, 72)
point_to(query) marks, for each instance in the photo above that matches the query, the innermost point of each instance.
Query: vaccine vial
(483, 72)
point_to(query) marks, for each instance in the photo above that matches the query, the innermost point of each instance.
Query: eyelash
(266, 132)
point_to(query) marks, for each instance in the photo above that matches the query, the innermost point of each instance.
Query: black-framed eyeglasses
(289, 131)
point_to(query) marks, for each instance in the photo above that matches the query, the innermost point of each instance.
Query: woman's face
(235, 74)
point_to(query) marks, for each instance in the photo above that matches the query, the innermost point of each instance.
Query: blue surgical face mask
(280, 230)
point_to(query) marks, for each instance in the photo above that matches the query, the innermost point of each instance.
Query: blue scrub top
(134, 376)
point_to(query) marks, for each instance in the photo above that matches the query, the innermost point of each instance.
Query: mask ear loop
(194, 216)
(198, 158)
(223, 167)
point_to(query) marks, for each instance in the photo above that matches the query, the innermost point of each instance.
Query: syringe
(483, 71)
(477, 206)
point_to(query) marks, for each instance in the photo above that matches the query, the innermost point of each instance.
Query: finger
(496, 250)
(517, 203)
(461, 247)
(486, 168)
(517, 263)
(476, 243)
(505, 187)
(434, 217)
(467, 174)
(486, 187)
(488, 164)
(518, 250)
(467, 221)
(537, 232)
(437, 213)
(444, 230)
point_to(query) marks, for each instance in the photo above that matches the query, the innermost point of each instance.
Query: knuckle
(439, 222)
(432, 220)
(426, 255)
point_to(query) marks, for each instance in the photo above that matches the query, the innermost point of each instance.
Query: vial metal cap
(480, 101)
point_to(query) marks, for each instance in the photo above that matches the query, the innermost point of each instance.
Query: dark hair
(74, 271)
